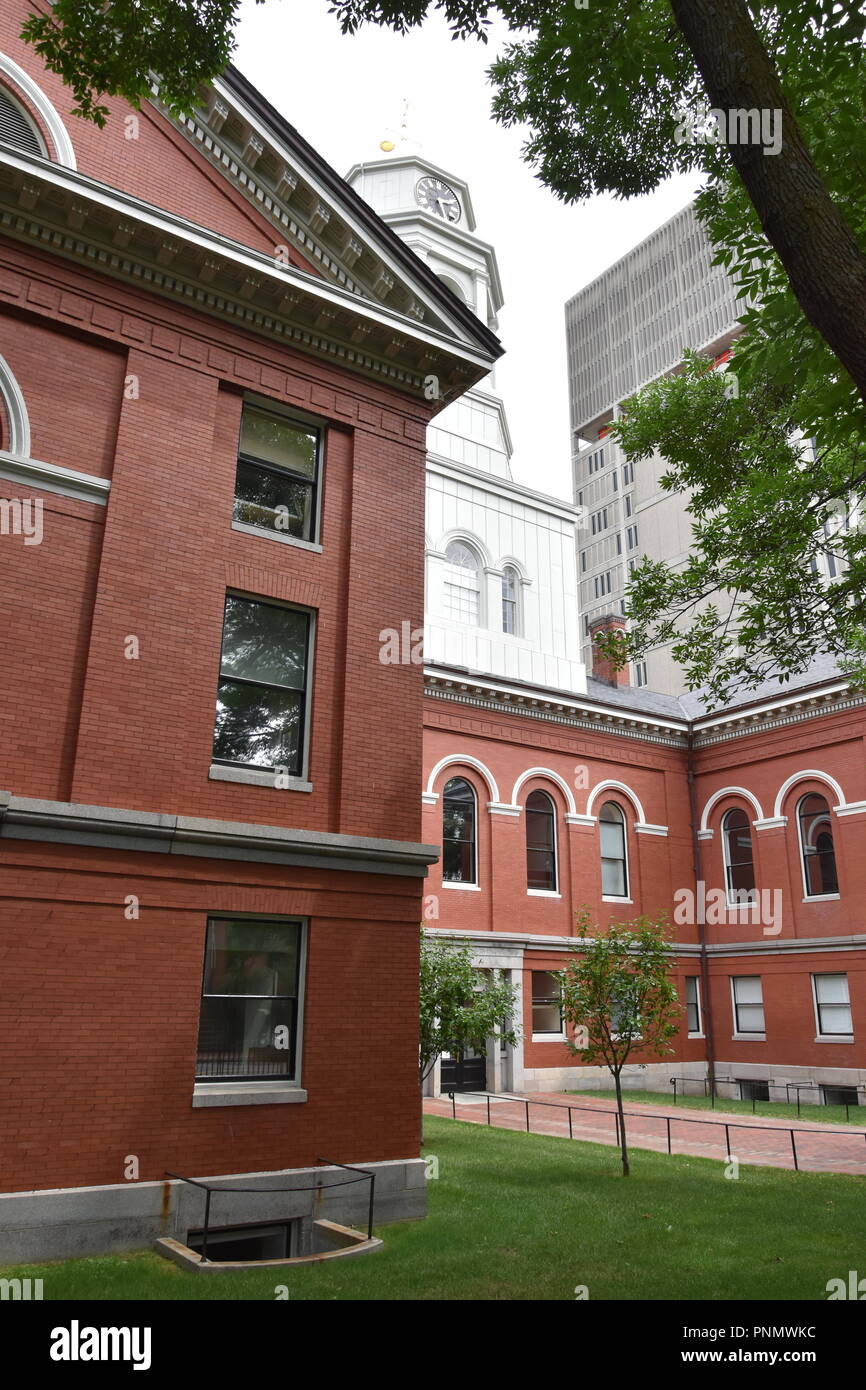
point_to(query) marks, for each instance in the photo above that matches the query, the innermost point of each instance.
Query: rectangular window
(546, 1004)
(693, 1005)
(583, 562)
(640, 675)
(628, 505)
(753, 1090)
(248, 1027)
(602, 584)
(631, 537)
(832, 1006)
(627, 474)
(262, 693)
(840, 1095)
(277, 475)
(748, 1003)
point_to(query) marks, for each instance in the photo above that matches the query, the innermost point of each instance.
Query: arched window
(816, 846)
(614, 860)
(458, 832)
(462, 583)
(739, 864)
(510, 601)
(540, 843)
(17, 127)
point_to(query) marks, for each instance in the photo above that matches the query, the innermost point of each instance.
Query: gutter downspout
(706, 1004)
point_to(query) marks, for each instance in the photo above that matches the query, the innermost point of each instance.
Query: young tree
(618, 996)
(458, 1011)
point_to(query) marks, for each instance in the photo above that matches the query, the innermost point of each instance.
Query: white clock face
(435, 196)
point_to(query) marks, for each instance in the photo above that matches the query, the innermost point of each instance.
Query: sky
(346, 94)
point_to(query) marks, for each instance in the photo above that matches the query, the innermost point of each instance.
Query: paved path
(758, 1139)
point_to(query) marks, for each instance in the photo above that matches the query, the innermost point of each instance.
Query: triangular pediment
(316, 213)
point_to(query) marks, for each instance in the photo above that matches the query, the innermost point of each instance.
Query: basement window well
(248, 1243)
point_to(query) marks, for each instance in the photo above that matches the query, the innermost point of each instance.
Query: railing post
(570, 1128)
(728, 1140)
(488, 1110)
(206, 1225)
(616, 1123)
(370, 1212)
(668, 1118)
(453, 1106)
(794, 1147)
(527, 1117)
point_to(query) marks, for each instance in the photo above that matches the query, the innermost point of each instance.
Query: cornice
(104, 228)
(552, 708)
(535, 702)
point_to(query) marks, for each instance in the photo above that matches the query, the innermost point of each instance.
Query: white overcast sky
(346, 94)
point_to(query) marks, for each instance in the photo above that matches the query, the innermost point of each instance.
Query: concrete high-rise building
(626, 329)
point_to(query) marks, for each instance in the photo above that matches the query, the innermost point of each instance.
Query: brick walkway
(753, 1139)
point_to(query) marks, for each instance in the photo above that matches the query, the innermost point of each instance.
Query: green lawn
(524, 1216)
(828, 1114)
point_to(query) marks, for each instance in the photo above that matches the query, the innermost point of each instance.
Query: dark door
(463, 1074)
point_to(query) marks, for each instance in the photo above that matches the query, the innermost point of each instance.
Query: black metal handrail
(728, 1125)
(711, 1093)
(211, 1187)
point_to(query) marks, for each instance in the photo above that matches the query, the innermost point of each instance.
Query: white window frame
(518, 601)
(473, 881)
(448, 580)
(820, 1035)
(753, 1034)
(730, 899)
(541, 1036)
(554, 891)
(807, 896)
(615, 897)
(696, 980)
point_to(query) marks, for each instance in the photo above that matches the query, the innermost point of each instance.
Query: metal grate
(16, 128)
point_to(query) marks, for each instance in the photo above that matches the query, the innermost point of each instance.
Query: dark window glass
(816, 840)
(275, 487)
(458, 832)
(739, 866)
(249, 1006)
(540, 843)
(262, 686)
(693, 1003)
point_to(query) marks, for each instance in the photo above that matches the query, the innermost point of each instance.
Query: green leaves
(460, 1006)
(776, 574)
(120, 49)
(617, 989)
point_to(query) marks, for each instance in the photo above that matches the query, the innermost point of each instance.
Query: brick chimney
(602, 668)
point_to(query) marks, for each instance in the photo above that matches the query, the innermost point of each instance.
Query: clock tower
(431, 211)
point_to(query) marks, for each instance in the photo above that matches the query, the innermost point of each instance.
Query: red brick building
(773, 981)
(215, 385)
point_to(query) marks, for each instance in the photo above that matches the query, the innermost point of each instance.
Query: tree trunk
(824, 264)
(623, 1142)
